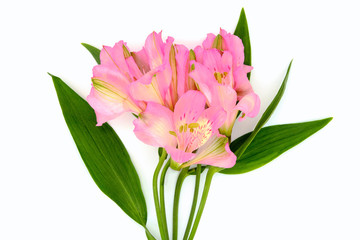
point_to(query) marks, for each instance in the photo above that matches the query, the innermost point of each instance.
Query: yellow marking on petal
(111, 93)
(214, 147)
(192, 67)
(156, 89)
(172, 133)
(108, 90)
(185, 127)
(194, 125)
(200, 132)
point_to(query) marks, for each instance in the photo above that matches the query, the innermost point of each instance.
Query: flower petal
(178, 155)
(212, 60)
(199, 53)
(133, 68)
(233, 44)
(224, 96)
(189, 107)
(109, 95)
(208, 42)
(249, 105)
(152, 87)
(204, 78)
(104, 110)
(227, 60)
(113, 57)
(156, 49)
(187, 111)
(155, 126)
(182, 68)
(241, 83)
(215, 116)
(141, 60)
(215, 152)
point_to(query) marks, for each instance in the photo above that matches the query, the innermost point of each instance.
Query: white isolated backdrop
(310, 192)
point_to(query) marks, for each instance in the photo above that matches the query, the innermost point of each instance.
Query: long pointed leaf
(95, 52)
(103, 153)
(265, 117)
(271, 142)
(242, 31)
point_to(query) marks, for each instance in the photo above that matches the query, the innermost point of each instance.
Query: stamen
(218, 76)
(194, 125)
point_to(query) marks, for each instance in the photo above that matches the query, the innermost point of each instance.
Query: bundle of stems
(159, 197)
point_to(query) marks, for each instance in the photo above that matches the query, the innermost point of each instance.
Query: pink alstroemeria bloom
(171, 64)
(189, 134)
(222, 78)
(110, 95)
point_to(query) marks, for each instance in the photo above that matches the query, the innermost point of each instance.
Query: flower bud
(192, 55)
(126, 51)
(218, 42)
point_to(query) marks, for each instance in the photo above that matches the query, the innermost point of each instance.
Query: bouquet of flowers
(185, 102)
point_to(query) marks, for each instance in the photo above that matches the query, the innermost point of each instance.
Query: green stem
(162, 197)
(156, 195)
(183, 174)
(209, 175)
(193, 206)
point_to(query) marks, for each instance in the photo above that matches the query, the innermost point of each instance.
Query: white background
(310, 192)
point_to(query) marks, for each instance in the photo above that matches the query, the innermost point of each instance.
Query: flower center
(220, 76)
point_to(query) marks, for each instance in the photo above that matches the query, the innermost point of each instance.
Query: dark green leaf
(242, 31)
(271, 142)
(265, 117)
(103, 153)
(95, 52)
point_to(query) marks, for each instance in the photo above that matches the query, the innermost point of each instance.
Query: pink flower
(125, 82)
(189, 134)
(221, 75)
(171, 63)
(109, 95)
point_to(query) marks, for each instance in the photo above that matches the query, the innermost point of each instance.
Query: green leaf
(271, 142)
(95, 52)
(103, 153)
(265, 117)
(242, 31)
